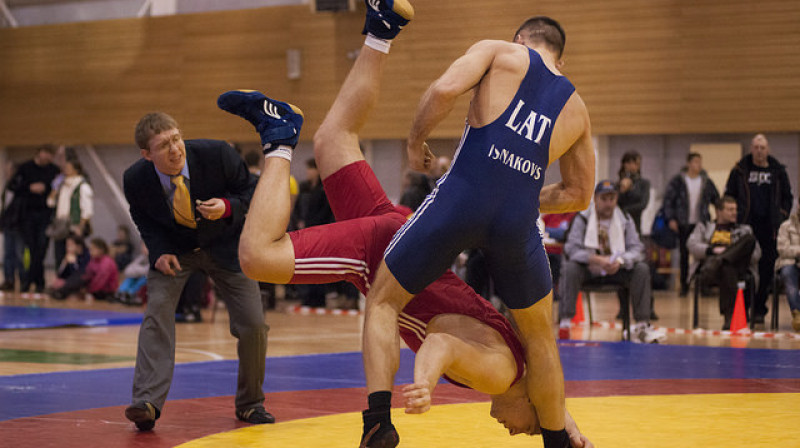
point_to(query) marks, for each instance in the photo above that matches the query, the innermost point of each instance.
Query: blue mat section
(41, 394)
(21, 317)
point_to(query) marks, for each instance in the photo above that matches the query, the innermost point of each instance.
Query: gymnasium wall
(657, 76)
(643, 67)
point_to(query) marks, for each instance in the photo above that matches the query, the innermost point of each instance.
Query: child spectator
(135, 274)
(101, 278)
(122, 247)
(72, 268)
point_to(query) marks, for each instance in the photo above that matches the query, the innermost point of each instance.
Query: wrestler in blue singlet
(490, 198)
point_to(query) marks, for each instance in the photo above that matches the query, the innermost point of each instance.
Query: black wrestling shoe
(257, 415)
(143, 414)
(277, 123)
(380, 436)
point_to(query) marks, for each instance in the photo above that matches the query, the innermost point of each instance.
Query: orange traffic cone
(739, 319)
(578, 318)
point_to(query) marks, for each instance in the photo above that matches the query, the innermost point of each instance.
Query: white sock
(565, 322)
(376, 43)
(282, 151)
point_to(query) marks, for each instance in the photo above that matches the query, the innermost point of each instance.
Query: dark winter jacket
(676, 199)
(781, 204)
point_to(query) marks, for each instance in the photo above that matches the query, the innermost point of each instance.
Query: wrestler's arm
(574, 192)
(434, 357)
(437, 102)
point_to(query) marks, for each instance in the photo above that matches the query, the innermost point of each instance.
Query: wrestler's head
(542, 30)
(514, 410)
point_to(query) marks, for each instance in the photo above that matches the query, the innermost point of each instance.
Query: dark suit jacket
(215, 171)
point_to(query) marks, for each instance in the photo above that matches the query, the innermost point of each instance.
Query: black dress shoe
(143, 414)
(257, 415)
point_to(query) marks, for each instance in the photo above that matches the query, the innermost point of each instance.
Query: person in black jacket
(760, 185)
(686, 201)
(189, 200)
(634, 190)
(32, 185)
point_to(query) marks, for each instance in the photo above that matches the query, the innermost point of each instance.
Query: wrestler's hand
(418, 397)
(576, 439)
(420, 158)
(211, 209)
(167, 264)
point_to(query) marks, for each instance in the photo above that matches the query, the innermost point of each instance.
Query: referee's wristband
(555, 439)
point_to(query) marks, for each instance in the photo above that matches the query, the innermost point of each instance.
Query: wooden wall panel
(642, 66)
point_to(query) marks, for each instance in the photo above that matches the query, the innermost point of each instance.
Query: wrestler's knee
(387, 291)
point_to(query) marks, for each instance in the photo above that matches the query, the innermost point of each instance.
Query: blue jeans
(13, 249)
(790, 276)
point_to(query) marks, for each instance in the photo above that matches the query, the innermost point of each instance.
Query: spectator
(122, 247)
(727, 250)
(312, 209)
(686, 201)
(135, 274)
(73, 201)
(32, 185)
(438, 169)
(69, 275)
(788, 264)
(634, 190)
(416, 187)
(10, 224)
(555, 227)
(101, 278)
(761, 188)
(603, 242)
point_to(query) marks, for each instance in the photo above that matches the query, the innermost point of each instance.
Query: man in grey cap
(603, 243)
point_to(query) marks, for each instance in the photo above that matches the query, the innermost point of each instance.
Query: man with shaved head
(764, 199)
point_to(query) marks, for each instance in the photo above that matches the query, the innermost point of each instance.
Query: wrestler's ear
(559, 63)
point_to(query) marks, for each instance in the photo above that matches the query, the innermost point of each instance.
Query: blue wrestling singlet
(490, 198)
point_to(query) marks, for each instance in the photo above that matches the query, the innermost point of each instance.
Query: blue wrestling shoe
(277, 122)
(385, 18)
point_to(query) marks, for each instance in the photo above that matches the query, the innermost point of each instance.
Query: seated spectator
(555, 228)
(135, 274)
(686, 201)
(603, 242)
(726, 251)
(788, 264)
(122, 247)
(69, 276)
(101, 278)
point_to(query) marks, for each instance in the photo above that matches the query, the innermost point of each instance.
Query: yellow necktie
(182, 203)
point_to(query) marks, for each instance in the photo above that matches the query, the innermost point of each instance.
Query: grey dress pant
(573, 275)
(155, 358)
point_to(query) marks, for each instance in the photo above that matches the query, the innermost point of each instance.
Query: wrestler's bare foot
(418, 397)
